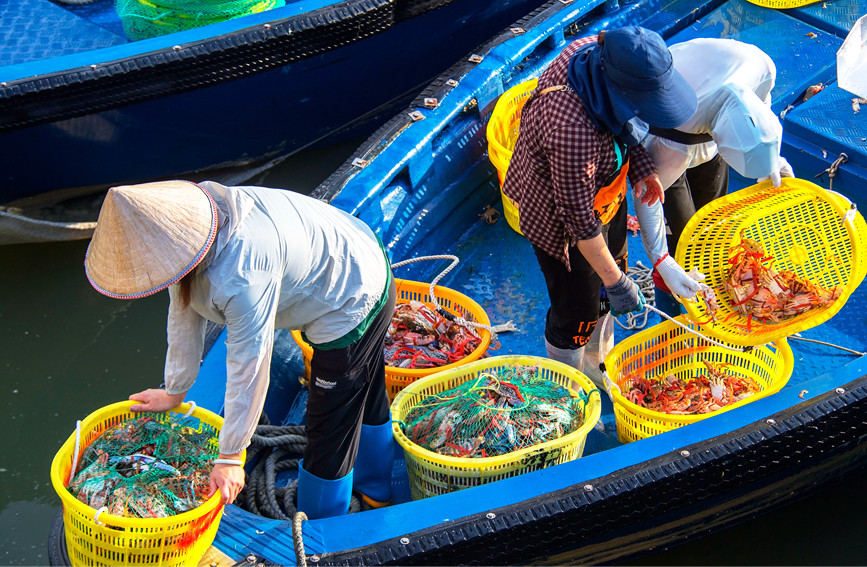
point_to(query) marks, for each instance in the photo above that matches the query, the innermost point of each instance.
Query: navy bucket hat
(641, 71)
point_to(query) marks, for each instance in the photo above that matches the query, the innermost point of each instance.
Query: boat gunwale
(763, 441)
(264, 43)
(507, 52)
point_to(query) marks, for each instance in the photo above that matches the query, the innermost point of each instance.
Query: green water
(67, 351)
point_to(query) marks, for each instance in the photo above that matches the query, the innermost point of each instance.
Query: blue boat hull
(229, 97)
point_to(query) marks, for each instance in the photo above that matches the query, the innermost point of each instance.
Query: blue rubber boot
(373, 464)
(320, 498)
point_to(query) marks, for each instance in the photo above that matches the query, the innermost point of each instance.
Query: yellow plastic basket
(800, 225)
(502, 134)
(431, 474)
(859, 227)
(104, 539)
(669, 349)
(452, 301)
(782, 4)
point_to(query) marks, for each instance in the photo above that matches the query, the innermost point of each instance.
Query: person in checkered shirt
(576, 149)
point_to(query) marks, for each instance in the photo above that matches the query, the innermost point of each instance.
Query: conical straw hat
(149, 236)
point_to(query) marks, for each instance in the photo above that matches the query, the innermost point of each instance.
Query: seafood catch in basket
(760, 292)
(498, 412)
(419, 337)
(142, 468)
(692, 396)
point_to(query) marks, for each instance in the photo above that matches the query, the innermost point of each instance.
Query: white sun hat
(149, 236)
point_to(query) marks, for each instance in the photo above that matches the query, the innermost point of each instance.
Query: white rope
(507, 326)
(696, 333)
(849, 215)
(75, 453)
(192, 409)
(96, 516)
(798, 337)
(298, 540)
(643, 277)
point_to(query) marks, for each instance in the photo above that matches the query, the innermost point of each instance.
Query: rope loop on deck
(508, 326)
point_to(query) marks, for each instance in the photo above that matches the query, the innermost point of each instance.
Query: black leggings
(346, 390)
(575, 295)
(697, 187)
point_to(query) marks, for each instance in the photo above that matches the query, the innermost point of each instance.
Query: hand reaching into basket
(155, 399)
(228, 477)
(676, 278)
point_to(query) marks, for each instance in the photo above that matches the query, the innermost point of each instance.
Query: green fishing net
(498, 412)
(142, 19)
(146, 468)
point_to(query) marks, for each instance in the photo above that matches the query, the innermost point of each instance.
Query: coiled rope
(507, 326)
(643, 277)
(279, 448)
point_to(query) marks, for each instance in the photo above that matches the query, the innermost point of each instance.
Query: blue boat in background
(83, 107)
(423, 181)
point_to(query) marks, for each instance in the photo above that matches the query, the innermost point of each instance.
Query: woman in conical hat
(258, 259)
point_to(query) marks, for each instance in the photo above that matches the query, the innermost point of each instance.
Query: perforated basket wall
(452, 301)
(782, 4)
(800, 225)
(502, 133)
(669, 349)
(431, 474)
(113, 540)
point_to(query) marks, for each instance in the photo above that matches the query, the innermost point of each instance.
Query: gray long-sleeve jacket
(281, 260)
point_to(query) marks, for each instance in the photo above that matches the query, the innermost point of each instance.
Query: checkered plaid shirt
(560, 162)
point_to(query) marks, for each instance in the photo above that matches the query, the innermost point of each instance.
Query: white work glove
(775, 179)
(785, 170)
(677, 280)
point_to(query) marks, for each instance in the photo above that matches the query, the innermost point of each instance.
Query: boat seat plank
(834, 16)
(829, 120)
(39, 29)
(779, 35)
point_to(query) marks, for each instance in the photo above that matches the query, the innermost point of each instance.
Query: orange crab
(759, 292)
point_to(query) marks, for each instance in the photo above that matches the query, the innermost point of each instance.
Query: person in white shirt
(733, 126)
(258, 259)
